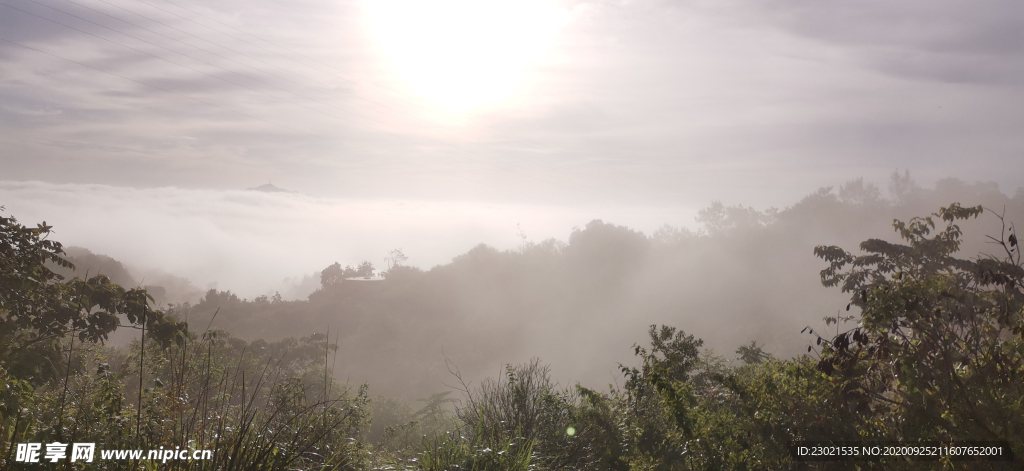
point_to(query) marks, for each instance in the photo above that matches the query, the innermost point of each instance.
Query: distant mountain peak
(270, 188)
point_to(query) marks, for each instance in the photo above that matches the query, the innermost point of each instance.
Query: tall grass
(257, 406)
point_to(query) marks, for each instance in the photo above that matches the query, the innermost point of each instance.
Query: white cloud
(651, 102)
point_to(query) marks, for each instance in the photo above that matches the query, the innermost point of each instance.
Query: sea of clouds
(255, 243)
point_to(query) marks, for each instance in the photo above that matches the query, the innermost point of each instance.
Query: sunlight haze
(461, 55)
(489, 181)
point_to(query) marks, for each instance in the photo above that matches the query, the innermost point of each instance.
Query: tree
(602, 254)
(334, 274)
(859, 193)
(752, 354)
(720, 219)
(901, 186)
(38, 308)
(939, 349)
(395, 258)
(661, 399)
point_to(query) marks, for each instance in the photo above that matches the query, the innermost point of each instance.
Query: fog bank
(256, 243)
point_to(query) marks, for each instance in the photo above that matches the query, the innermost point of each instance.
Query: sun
(463, 54)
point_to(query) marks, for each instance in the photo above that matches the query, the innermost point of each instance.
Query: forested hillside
(748, 275)
(846, 316)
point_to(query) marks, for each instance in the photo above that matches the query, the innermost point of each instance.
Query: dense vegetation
(580, 304)
(930, 347)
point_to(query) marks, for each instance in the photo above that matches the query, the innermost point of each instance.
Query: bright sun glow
(463, 54)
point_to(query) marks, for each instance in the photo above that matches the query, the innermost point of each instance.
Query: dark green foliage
(38, 309)
(258, 405)
(750, 269)
(454, 451)
(261, 405)
(938, 351)
(933, 350)
(528, 407)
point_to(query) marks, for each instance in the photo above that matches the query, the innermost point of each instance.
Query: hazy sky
(658, 106)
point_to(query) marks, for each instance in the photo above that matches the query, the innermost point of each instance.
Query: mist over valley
(511, 235)
(578, 302)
